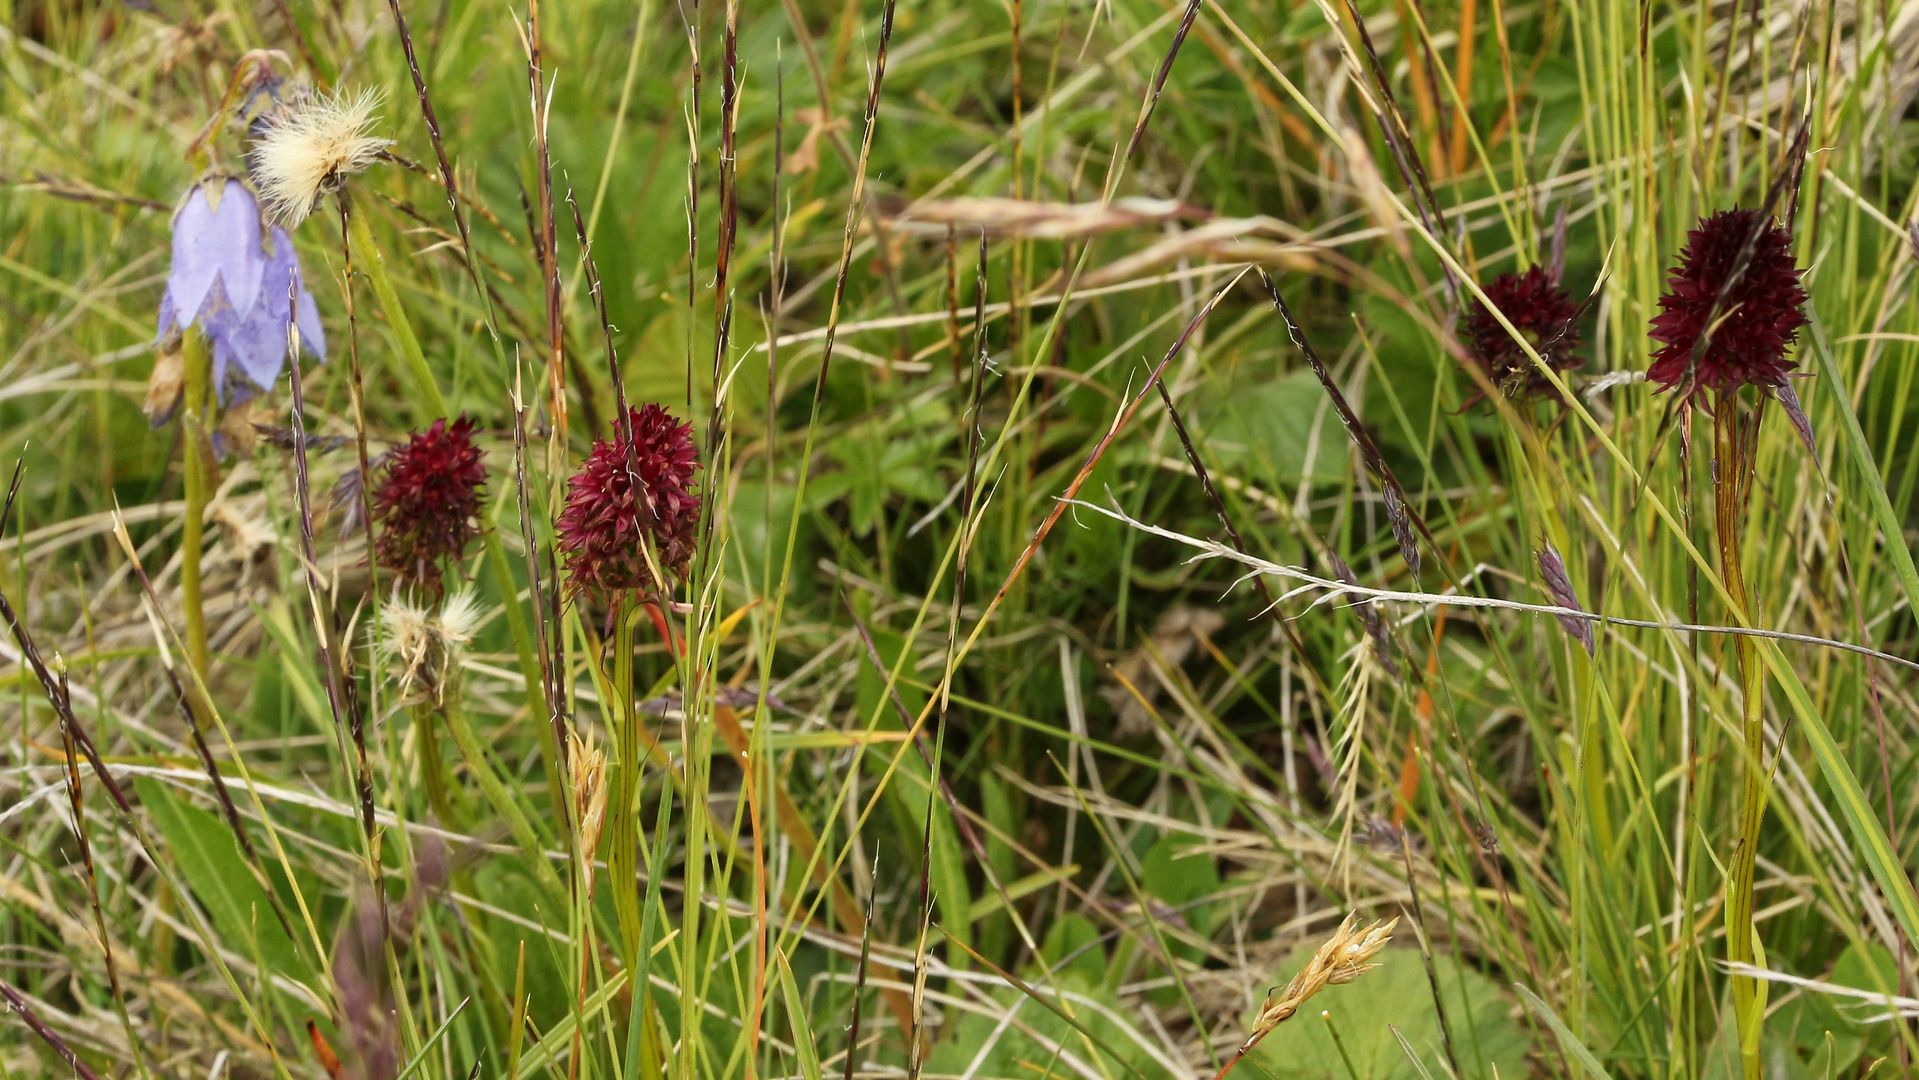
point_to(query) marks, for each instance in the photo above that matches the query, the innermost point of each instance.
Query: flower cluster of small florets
(1540, 310)
(428, 502)
(1710, 343)
(608, 523)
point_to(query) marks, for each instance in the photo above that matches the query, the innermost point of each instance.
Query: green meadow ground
(940, 775)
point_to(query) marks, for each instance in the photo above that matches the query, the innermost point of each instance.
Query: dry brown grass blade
(788, 817)
(1043, 220)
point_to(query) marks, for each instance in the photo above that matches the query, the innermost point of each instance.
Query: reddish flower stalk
(602, 527)
(429, 503)
(1542, 312)
(1731, 311)
(1742, 339)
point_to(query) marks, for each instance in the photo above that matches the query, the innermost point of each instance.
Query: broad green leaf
(210, 860)
(1177, 870)
(1386, 1018)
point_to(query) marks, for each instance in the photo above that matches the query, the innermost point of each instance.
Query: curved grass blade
(1567, 1040)
(802, 1030)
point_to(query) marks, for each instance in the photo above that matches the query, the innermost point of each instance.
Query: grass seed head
(307, 149)
(588, 765)
(1344, 957)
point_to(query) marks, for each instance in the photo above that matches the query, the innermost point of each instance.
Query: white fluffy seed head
(310, 147)
(424, 645)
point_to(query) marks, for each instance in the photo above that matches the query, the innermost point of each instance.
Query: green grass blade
(1867, 833)
(1862, 459)
(1567, 1040)
(1412, 1055)
(433, 1040)
(802, 1030)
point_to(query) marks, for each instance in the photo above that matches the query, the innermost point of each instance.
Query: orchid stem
(623, 811)
(193, 427)
(366, 255)
(1734, 466)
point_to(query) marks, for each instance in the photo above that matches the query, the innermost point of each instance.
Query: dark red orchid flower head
(1542, 312)
(604, 519)
(428, 503)
(1745, 341)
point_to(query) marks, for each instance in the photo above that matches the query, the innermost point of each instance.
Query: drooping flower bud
(605, 518)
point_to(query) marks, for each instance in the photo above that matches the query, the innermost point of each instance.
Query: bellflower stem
(366, 254)
(1729, 490)
(193, 420)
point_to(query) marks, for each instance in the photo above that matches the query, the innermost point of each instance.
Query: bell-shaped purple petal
(236, 291)
(213, 246)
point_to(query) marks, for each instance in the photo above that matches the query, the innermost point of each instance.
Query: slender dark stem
(51, 1037)
(859, 979)
(1268, 603)
(76, 802)
(1426, 953)
(1147, 106)
(447, 178)
(549, 680)
(341, 697)
(546, 242)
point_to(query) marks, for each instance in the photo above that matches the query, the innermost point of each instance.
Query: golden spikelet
(309, 149)
(1346, 956)
(588, 766)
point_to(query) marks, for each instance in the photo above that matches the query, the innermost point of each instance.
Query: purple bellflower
(225, 281)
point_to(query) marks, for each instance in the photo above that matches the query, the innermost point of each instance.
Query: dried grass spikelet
(588, 766)
(1346, 956)
(309, 148)
(168, 383)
